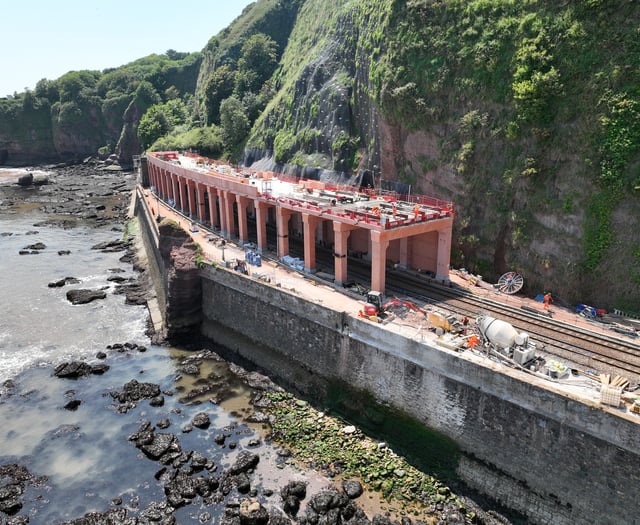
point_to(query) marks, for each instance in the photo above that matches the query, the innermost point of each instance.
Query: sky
(48, 38)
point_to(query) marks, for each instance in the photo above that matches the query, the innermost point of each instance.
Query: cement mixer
(505, 340)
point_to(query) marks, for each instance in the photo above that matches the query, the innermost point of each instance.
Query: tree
(218, 87)
(153, 125)
(161, 119)
(171, 92)
(47, 89)
(257, 63)
(73, 83)
(175, 55)
(234, 121)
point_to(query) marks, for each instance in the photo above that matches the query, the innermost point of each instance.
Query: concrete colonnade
(198, 194)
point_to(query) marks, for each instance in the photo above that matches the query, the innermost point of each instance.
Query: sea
(81, 460)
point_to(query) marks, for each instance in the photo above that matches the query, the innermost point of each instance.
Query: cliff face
(25, 134)
(274, 18)
(524, 115)
(183, 295)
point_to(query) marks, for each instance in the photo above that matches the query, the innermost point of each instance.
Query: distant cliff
(91, 113)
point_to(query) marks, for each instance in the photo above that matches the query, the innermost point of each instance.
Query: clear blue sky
(47, 38)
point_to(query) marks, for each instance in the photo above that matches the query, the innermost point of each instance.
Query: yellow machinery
(448, 322)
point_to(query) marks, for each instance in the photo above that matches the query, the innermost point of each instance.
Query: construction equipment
(503, 340)
(376, 308)
(373, 306)
(241, 266)
(446, 322)
(510, 283)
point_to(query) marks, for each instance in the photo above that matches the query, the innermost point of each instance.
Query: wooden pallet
(618, 381)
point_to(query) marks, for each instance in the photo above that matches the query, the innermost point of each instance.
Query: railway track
(579, 347)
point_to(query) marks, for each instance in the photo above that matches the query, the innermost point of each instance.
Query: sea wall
(553, 458)
(151, 242)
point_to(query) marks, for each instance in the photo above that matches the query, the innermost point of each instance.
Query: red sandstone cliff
(183, 290)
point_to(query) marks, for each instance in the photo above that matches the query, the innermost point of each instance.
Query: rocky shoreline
(228, 489)
(189, 477)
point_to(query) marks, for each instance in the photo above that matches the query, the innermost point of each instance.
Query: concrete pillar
(191, 197)
(261, 223)
(404, 252)
(202, 212)
(169, 186)
(224, 229)
(164, 183)
(228, 198)
(175, 194)
(183, 195)
(160, 182)
(309, 225)
(179, 195)
(243, 229)
(213, 206)
(444, 254)
(341, 234)
(152, 179)
(282, 226)
(379, 247)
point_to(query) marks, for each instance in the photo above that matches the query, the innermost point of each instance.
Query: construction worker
(546, 299)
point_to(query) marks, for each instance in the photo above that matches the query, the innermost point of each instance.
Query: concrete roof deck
(367, 208)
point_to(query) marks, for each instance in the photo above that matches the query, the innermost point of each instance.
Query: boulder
(252, 512)
(36, 246)
(40, 179)
(111, 246)
(75, 369)
(352, 488)
(292, 494)
(157, 445)
(84, 296)
(246, 461)
(61, 282)
(201, 420)
(134, 391)
(25, 180)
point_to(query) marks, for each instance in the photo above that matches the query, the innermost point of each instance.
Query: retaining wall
(553, 458)
(150, 239)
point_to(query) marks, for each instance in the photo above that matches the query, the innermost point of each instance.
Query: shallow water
(37, 323)
(84, 455)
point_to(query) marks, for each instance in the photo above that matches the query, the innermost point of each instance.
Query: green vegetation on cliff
(522, 113)
(84, 113)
